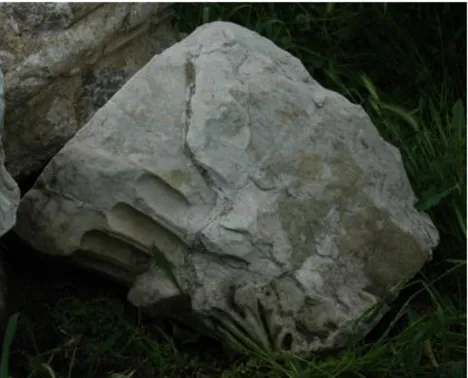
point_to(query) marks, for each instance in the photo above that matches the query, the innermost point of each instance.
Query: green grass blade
(7, 341)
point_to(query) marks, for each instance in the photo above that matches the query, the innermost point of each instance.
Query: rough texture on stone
(49, 52)
(268, 193)
(9, 191)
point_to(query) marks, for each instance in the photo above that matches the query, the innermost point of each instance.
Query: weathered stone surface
(52, 53)
(9, 191)
(263, 189)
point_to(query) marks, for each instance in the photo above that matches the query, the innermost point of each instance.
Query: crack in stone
(223, 205)
(190, 81)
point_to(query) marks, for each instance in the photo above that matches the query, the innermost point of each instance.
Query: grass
(405, 64)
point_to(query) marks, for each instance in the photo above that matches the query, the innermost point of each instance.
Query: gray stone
(266, 192)
(48, 52)
(99, 86)
(9, 202)
(9, 191)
